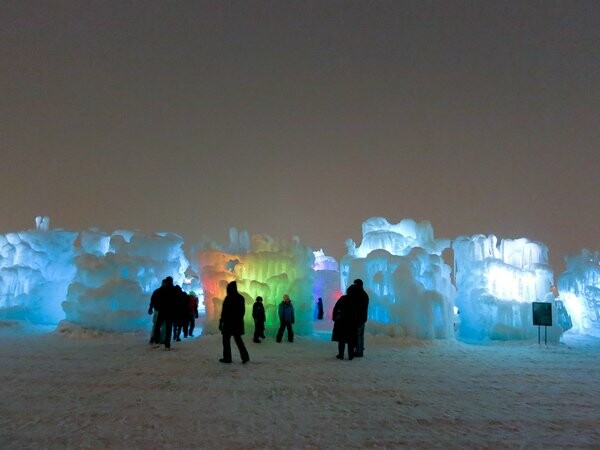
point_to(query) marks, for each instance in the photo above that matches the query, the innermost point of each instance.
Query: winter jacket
(232, 314)
(343, 319)
(192, 306)
(362, 299)
(286, 312)
(164, 300)
(258, 312)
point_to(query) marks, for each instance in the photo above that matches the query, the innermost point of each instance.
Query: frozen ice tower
(408, 283)
(35, 271)
(496, 284)
(116, 275)
(579, 289)
(104, 280)
(261, 265)
(326, 282)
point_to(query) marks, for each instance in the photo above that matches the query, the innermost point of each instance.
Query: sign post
(542, 316)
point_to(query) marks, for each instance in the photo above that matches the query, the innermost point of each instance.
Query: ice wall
(326, 283)
(496, 285)
(579, 289)
(263, 266)
(408, 283)
(36, 268)
(398, 239)
(116, 275)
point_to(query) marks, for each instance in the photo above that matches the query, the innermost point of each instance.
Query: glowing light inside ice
(104, 280)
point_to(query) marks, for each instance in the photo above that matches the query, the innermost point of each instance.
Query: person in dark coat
(319, 308)
(192, 312)
(344, 323)
(164, 301)
(232, 323)
(181, 320)
(258, 314)
(153, 311)
(362, 309)
(286, 319)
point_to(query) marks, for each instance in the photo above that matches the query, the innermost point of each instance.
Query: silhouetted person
(319, 308)
(258, 314)
(192, 312)
(345, 323)
(153, 311)
(362, 314)
(286, 319)
(232, 323)
(181, 320)
(164, 301)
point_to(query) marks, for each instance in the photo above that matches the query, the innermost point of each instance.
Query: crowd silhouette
(175, 312)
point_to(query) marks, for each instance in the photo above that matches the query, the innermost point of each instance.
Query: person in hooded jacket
(345, 323)
(258, 314)
(232, 323)
(286, 319)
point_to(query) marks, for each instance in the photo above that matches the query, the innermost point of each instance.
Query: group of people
(349, 318)
(174, 310)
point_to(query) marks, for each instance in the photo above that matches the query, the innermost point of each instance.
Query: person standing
(192, 312)
(362, 308)
(286, 319)
(319, 308)
(164, 300)
(258, 314)
(180, 321)
(344, 323)
(153, 311)
(232, 323)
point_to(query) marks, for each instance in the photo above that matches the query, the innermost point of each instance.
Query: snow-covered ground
(71, 388)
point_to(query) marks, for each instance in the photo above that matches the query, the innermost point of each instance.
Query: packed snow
(79, 388)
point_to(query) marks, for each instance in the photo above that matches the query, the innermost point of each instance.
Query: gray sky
(303, 118)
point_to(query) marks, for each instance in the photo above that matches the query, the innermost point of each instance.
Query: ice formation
(398, 239)
(261, 265)
(326, 282)
(579, 289)
(35, 271)
(408, 283)
(90, 278)
(496, 284)
(104, 280)
(116, 275)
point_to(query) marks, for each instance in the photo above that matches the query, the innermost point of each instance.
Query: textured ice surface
(263, 266)
(496, 284)
(579, 289)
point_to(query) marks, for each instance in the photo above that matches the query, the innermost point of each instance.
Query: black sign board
(542, 314)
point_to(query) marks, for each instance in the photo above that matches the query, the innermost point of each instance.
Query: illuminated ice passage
(104, 280)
